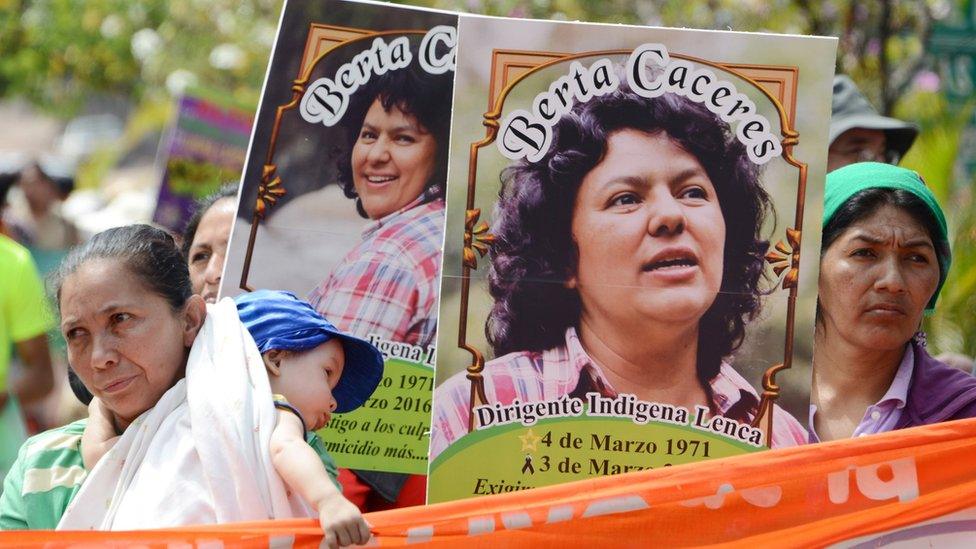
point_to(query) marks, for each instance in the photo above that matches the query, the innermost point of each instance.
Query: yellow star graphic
(529, 441)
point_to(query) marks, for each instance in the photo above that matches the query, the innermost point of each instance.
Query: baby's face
(307, 378)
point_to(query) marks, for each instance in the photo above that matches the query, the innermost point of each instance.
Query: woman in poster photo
(627, 260)
(387, 286)
(396, 172)
(884, 259)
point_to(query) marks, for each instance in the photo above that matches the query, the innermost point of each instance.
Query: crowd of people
(138, 313)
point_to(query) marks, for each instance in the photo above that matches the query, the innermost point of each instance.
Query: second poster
(342, 203)
(623, 286)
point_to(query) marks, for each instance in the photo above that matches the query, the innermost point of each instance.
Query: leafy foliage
(56, 53)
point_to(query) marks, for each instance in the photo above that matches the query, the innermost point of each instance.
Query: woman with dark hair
(626, 260)
(884, 259)
(205, 240)
(158, 362)
(204, 247)
(396, 172)
(129, 319)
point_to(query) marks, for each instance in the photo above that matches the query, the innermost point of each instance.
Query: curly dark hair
(424, 96)
(535, 209)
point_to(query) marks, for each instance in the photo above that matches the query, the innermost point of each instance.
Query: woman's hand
(99, 416)
(99, 435)
(342, 522)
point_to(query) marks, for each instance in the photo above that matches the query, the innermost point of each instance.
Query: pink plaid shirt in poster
(387, 285)
(550, 374)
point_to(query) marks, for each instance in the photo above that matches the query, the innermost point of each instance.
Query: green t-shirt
(49, 472)
(46, 476)
(24, 311)
(316, 443)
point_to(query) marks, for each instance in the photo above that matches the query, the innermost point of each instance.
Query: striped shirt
(46, 476)
(569, 370)
(387, 285)
(49, 472)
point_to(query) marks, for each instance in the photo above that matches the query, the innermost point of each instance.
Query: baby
(314, 370)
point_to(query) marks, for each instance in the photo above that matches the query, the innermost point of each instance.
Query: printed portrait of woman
(395, 172)
(628, 259)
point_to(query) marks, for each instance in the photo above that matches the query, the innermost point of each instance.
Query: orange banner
(911, 484)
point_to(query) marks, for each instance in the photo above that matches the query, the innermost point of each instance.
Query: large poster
(343, 201)
(623, 286)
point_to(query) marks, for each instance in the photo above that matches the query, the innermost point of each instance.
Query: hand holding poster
(633, 299)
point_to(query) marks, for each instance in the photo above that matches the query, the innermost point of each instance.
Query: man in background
(859, 134)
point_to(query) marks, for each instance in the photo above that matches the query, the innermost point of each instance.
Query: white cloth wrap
(201, 455)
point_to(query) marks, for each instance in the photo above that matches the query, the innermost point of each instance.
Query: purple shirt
(883, 415)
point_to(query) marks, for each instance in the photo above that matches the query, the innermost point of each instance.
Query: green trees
(58, 53)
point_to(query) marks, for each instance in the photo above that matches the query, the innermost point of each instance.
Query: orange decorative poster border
(779, 85)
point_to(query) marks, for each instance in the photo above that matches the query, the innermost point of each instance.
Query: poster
(205, 149)
(623, 286)
(342, 202)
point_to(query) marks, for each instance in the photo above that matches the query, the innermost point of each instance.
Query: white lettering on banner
(711, 502)
(326, 99)
(903, 483)
(420, 534)
(281, 542)
(762, 496)
(481, 525)
(514, 521)
(758, 496)
(559, 513)
(429, 60)
(611, 506)
(528, 135)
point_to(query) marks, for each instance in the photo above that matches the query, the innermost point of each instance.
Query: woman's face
(649, 233)
(125, 342)
(876, 278)
(392, 160)
(206, 259)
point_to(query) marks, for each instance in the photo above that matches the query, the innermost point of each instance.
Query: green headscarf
(848, 181)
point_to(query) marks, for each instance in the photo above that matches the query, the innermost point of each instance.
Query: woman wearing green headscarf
(885, 256)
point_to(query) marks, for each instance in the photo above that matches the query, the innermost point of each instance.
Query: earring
(920, 338)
